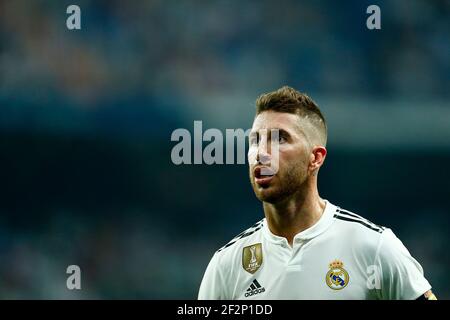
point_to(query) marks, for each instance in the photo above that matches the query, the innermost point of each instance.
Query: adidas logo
(255, 288)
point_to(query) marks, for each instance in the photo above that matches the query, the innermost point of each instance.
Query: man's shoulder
(246, 236)
(357, 229)
(348, 219)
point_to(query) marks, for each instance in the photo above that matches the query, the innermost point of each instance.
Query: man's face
(275, 176)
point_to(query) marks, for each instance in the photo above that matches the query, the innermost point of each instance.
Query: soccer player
(305, 247)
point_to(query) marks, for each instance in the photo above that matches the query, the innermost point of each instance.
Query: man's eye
(281, 139)
(253, 140)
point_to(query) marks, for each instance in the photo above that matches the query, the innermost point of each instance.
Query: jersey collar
(320, 226)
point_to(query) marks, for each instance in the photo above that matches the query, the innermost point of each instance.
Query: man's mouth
(263, 175)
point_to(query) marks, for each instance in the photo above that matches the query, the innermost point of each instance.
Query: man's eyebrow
(279, 133)
(283, 132)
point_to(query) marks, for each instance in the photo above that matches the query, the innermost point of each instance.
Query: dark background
(86, 118)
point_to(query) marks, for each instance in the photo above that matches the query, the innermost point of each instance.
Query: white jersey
(342, 256)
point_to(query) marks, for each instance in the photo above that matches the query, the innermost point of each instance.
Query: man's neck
(292, 216)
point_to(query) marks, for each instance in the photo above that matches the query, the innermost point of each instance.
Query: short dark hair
(289, 100)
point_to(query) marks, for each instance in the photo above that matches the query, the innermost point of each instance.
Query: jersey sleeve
(402, 277)
(212, 287)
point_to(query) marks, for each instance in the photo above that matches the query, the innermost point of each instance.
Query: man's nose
(263, 156)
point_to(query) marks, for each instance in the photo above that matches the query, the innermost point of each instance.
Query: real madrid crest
(337, 277)
(252, 257)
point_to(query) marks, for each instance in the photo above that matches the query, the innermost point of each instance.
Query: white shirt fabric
(374, 263)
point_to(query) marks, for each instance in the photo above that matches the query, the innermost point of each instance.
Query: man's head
(302, 137)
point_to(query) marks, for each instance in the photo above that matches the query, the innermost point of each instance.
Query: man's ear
(318, 155)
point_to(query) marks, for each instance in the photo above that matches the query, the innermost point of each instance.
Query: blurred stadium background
(86, 118)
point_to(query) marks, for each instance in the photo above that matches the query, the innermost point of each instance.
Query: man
(305, 247)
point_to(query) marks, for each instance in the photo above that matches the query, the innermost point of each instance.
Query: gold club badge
(252, 258)
(337, 277)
